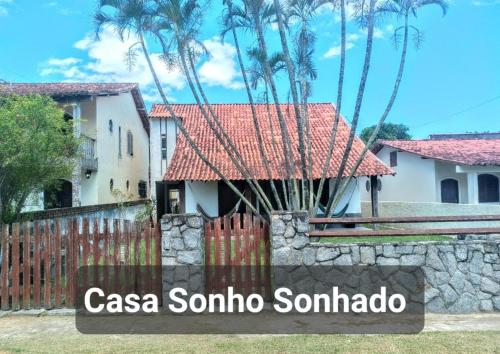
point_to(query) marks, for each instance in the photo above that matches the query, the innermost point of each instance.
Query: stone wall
(461, 276)
(182, 240)
(183, 252)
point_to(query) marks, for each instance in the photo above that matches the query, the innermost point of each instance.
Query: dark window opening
(394, 158)
(59, 196)
(143, 189)
(111, 184)
(130, 143)
(449, 190)
(120, 142)
(164, 146)
(488, 188)
(110, 126)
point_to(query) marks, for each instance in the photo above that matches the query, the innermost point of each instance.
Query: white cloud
(106, 63)
(335, 51)
(220, 69)
(4, 11)
(63, 62)
(352, 37)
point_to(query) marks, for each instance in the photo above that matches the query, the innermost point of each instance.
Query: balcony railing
(89, 156)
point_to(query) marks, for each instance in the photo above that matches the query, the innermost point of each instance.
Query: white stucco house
(112, 123)
(184, 183)
(447, 174)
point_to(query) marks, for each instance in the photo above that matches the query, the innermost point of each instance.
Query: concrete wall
(460, 276)
(435, 209)
(126, 211)
(205, 194)
(158, 164)
(122, 110)
(352, 196)
(415, 179)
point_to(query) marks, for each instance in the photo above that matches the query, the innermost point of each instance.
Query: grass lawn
(385, 239)
(58, 335)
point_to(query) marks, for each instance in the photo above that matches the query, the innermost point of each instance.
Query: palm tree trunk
(182, 52)
(333, 135)
(357, 108)
(295, 98)
(381, 121)
(185, 133)
(305, 115)
(254, 113)
(275, 144)
(287, 146)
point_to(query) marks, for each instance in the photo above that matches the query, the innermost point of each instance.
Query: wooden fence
(346, 232)
(237, 253)
(39, 260)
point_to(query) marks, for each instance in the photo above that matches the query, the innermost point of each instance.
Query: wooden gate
(237, 254)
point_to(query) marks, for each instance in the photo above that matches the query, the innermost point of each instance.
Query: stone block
(367, 255)
(327, 253)
(412, 260)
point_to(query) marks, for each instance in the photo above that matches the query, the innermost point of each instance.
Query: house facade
(449, 172)
(110, 119)
(182, 182)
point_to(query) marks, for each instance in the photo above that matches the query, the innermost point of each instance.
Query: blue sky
(451, 84)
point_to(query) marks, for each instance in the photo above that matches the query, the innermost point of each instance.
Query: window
(110, 123)
(111, 184)
(394, 158)
(130, 143)
(120, 142)
(449, 190)
(143, 189)
(164, 146)
(488, 188)
(128, 186)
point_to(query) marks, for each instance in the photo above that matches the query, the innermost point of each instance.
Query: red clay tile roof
(237, 120)
(474, 152)
(60, 90)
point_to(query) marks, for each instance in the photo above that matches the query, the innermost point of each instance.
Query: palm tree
(401, 9)
(253, 16)
(303, 11)
(179, 23)
(280, 19)
(257, 76)
(138, 17)
(368, 20)
(230, 26)
(338, 108)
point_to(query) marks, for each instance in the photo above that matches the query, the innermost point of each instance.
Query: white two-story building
(111, 121)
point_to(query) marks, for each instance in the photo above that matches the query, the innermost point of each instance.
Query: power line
(459, 112)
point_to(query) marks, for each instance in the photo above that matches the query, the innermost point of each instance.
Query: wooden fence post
(4, 278)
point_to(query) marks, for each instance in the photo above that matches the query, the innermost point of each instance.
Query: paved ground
(63, 320)
(57, 334)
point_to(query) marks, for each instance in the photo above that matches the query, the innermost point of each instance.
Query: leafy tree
(388, 131)
(37, 150)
